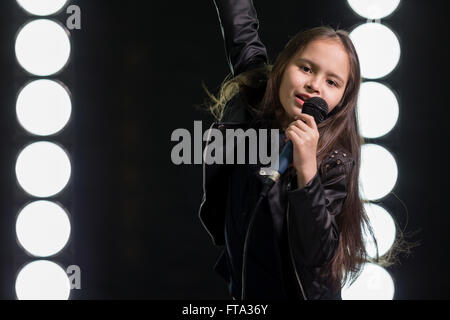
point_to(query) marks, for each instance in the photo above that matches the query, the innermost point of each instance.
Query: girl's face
(321, 70)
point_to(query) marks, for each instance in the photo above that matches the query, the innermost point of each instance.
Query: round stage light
(383, 228)
(42, 47)
(378, 172)
(378, 49)
(42, 7)
(42, 280)
(43, 107)
(43, 169)
(377, 110)
(43, 228)
(374, 283)
(374, 9)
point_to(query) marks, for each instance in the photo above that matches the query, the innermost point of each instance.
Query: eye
(305, 68)
(332, 83)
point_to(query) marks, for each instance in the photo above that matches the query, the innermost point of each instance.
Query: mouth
(300, 100)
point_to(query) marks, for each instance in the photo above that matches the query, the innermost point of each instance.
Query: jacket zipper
(218, 125)
(287, 213)
(290, 251)
(204, 182)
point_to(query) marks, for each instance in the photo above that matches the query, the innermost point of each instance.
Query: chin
(296, 112)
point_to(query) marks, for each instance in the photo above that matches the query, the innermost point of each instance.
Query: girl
(307, 239)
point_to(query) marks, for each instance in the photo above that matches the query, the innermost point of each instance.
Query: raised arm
(239, 23)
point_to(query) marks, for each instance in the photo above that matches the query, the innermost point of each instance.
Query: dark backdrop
(135, 75)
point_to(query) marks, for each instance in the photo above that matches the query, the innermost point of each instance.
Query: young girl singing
(307, 239)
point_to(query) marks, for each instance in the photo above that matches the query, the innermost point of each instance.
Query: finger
(305, 136)
(308, 119)
(300, 131)
(295, 130)
(295, 135)
(301, 125)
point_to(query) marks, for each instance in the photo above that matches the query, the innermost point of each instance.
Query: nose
(313, 85)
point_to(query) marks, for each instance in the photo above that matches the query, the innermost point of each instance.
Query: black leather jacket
(295, 232)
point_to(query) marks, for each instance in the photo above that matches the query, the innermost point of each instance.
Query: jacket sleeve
(239, 25)
(313, 209)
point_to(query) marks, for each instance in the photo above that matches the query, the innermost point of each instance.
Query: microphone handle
(285, 158)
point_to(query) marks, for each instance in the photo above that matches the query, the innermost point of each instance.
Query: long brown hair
(340, 128)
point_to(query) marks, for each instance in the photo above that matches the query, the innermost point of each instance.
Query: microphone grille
(317, 108)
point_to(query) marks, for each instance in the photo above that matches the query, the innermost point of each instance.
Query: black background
(135, 75)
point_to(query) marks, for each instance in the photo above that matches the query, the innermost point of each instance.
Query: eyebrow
(316, 66)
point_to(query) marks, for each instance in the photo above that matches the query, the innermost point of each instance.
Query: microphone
(318, 109)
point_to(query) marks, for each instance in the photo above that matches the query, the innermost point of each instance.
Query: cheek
(295, 78)
(284, 89)
(334, 100)
(290, 77)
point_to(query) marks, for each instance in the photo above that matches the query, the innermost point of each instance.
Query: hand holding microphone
(305, 136)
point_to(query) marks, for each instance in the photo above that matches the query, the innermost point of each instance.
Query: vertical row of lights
(43, 167)
(378, 49)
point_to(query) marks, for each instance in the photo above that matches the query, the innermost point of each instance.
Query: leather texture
(239, 25)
